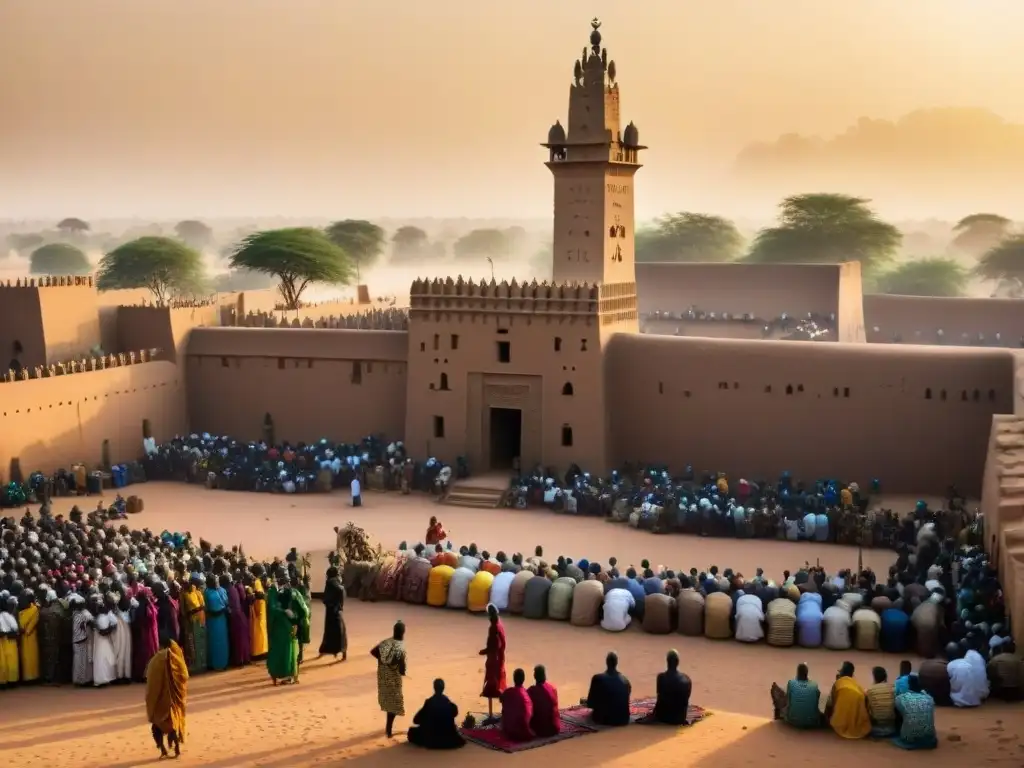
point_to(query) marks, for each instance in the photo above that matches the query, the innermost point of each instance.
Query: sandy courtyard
(237, 718)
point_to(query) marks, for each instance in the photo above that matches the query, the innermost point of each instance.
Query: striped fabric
(781, 615)
(882, 705)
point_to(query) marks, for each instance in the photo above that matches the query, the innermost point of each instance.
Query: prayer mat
(491, 737)
(640, 711)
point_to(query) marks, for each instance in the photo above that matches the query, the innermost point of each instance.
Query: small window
(846, 391)
(789, 389)
(835, 391)
(223, 362)
(439, 426)
(963, 395)
(423, 346)
(686, 393)
(735, 385)
(309, 363)
(503, 331)
(799, 387)
(567, 388)
(566, 436)
(928, 393)
(504, 352)
(976, 396)
(991, 395)
(444, 382)
(558, 343)
(357, 372)
(280, 363)
(661, 388)
(942, 395)
(455, 341)
(583, 345)
(768, 389)
(437, 341)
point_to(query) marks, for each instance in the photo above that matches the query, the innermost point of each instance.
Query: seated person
(608, 697)
(902, 684)
(544, 697)
(618, 608)
(516, 710)
(881, 704)
(673, 693)
(846, 709)
(434, 725)
(1006, 672)
(934, 678)
(798, 704)
(917, 710)
(968, 682)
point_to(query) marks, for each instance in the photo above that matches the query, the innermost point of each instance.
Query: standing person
(167, 695)
(238, 620)
(81, 638)
(218, 646)
(283, 656)
(50, 638)
(357, 497)
(121, 614)
(335, 639)
(494, 666)
(259, 643)
(28, 623)
(194, 610)
(9, 673)
(104, 658)
(145, 632)
(391, 661)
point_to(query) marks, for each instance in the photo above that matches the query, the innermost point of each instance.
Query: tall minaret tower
(593, 164)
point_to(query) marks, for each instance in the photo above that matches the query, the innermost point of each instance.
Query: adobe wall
(338, 384)
(907, 315)
(21, 320)
(853, 411)
(765, 290)
(707, 329)
(850, 316)
(54, 422)
(71, 323)
(456, 373)
(167, 328)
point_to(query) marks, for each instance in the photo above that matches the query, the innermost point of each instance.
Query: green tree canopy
(73, 226)
(296, 257)
(689, 236)
(1003, 262)
(482, 244)
(23, 243)
(194, 233)
(408, 243)
(825, 228)
(167, 267)
(979, 232)
(59, 259)
(925, 277)
(363, 241)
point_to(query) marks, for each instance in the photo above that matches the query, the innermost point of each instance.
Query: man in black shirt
(608, 697)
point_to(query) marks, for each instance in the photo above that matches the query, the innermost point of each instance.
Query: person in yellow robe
(9, 631)
(846, 709)
(28, 622)
(258, 619)
(167, 695)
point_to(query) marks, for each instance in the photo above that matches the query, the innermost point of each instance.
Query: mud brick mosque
(511, 372)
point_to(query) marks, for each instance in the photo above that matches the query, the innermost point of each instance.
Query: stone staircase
(464, 494)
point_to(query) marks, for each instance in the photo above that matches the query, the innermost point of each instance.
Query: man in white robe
(749, 619)
(104, 658)
(838, 620)
(617, 606)
(968, 680)
(123, 640)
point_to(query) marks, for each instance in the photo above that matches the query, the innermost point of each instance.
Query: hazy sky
(164, 108)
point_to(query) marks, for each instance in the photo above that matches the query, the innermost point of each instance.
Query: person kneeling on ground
(673, 693)
(608, 697)
(546, 721)
(881, 700)
(917, 709)
(798, 704)
(516, 710)
(434, 725)
(846, 709)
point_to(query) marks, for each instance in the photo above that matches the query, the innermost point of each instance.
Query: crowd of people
(811, 327)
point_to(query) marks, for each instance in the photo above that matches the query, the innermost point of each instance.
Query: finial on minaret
(595, 36)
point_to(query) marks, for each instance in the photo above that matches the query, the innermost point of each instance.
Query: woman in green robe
(300, 606)
(282, 632)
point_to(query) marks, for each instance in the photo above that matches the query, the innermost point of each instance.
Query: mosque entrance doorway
(506, 437)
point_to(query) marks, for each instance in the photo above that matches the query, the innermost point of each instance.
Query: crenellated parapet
(391, 319)
(82, 365)
(49, 281)
(195, 303)
(507, 298)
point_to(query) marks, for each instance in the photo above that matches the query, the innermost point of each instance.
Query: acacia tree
(980, 232)
(825, 228)
(482, 243)
(1003, 262)
(689, 237)
(925, 277)
(165, 266)
(73, 226)
(59, 259)
(408, 243)
(194, 233)
(296, 257)
(363, 241)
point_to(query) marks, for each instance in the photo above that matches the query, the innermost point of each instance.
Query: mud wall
(765, 290)
(164, 328)
(908, 315)
(917, 418)
(21, 320)
(850, 315)
(315, 383)
(54, 422)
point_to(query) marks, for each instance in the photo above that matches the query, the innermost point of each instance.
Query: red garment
(545, 721)
(435, 535)
(491, 567)
(494, 667)
(516, 713)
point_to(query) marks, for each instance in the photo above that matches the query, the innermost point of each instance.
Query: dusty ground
(237, 719)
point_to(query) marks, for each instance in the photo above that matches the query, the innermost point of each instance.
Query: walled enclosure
(852, 412)
(315, 383)
(909, 315)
